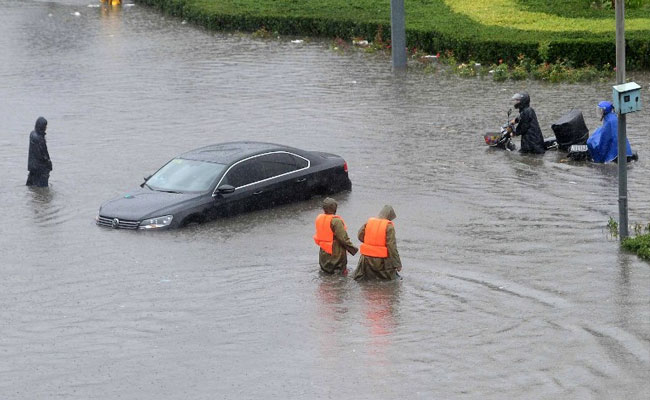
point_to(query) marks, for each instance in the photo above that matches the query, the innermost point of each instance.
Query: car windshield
(181, 175)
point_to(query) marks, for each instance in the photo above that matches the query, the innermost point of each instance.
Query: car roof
(227, 153)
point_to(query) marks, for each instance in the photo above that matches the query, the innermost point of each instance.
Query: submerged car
(225, 179)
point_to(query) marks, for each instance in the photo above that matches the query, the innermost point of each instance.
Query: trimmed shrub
(432, 26)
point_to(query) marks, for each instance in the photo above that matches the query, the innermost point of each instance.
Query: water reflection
(381, 301)
(330, 320)
(111, 16)
(623, 296)
(47, 207)
(40, 200)
(331, 294)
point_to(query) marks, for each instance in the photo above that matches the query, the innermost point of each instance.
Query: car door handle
(300, 180)
(258, 192)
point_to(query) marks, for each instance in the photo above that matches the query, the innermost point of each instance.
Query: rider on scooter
(532, 140)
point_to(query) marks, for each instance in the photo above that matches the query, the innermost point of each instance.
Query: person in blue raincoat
(603, 143)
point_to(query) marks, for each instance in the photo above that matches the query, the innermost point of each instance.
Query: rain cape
(603, 143)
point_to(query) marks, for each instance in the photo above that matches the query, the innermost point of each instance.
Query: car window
(276, 164)
(245, 172)
(300, 162)
(181, 175)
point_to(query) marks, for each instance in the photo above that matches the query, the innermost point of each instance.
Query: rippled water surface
(511, 289)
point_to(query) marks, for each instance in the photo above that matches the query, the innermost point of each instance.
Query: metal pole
(622, 154)
(398, 33)
(622, 178)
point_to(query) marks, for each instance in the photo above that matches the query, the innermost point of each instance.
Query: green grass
(480, 30)
(638, 244)
(508, 13)
(585, 8)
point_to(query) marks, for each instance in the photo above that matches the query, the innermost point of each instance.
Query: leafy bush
(466, 70)
(638, 244)
(587, 74)
(262, 33)
(542, 72)
(500, 73)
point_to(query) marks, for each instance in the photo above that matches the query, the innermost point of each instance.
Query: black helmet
(521, 100)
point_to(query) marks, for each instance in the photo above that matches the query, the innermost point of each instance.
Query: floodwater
(512, 286)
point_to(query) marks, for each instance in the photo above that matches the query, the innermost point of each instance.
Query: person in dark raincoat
(332, 238)
(379, 256)
(532, 140)
(38, 162)
(603, 143)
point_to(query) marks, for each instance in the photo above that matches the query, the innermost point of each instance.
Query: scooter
(503, 139)
(571, 136)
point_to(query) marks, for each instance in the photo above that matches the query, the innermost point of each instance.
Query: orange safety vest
(324, 236)
(374, 239)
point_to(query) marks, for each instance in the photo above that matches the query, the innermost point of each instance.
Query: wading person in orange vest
(379, 257)
(333, 240)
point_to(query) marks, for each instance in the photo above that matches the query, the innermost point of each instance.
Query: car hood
(140, 204)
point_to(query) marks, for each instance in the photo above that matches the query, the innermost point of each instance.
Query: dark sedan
(225, 179)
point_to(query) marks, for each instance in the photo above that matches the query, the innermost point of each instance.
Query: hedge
(432, 26)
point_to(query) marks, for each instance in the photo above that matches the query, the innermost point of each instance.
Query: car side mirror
(225, 189)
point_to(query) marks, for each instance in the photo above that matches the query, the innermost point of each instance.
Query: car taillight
(345, 166)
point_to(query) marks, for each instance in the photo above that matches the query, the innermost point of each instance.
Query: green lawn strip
(510, 13)
(432, 25)
(638, 244)
(583, 8)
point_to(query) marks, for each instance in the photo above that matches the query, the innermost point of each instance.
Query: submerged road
(512, 287)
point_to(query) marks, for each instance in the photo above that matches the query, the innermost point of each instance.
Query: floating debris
(297, 41)
(76, 13)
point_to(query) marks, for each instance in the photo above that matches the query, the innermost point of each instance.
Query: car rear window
(276, 164)
(262, 167)
(300, 162)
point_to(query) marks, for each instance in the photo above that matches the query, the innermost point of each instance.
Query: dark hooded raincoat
(336, 262)
(380, 268)
(532, 140)
(38, 162)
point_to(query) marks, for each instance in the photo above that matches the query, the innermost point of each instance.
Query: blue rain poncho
(603, 143)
